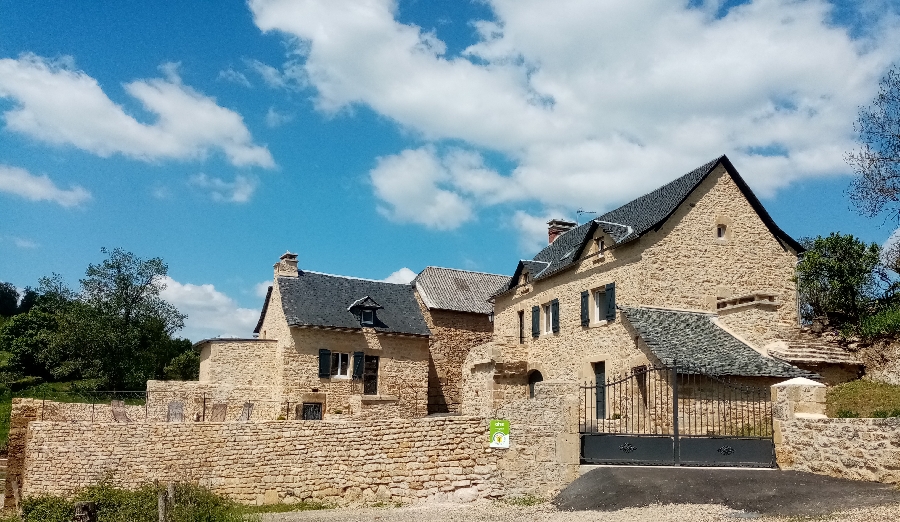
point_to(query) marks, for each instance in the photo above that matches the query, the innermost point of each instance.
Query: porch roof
(695, 342)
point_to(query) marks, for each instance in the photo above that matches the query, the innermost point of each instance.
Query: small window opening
(720, 231)
(533, 378)
(601, 248)
(521, 326)
(368, 317)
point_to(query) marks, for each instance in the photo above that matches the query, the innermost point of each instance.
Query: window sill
(598, 324)
(378, 398)
(340, 377)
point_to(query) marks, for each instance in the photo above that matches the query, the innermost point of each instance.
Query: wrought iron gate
(676, 416)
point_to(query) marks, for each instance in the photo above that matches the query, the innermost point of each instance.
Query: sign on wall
(499, 432)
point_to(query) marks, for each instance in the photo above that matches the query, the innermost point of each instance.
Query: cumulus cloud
(20, 182)
(261, 289)
(290, 77)
(402, 276)
(55, 103)
(593, 102)
(211, 313)
(238, 191)
(533, 229)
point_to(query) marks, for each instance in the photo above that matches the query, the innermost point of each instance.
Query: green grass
(281, 508)
(524, 500)
(862, 398)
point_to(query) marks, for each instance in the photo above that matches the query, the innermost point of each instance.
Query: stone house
(456, 308)
(695, 272)
(328, 347)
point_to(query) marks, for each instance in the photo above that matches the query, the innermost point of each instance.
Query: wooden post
(161, 505)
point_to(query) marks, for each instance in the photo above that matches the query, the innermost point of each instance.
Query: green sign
(499, 433)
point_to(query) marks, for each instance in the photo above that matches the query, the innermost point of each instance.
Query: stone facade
(681, 265)
(249, 362)
(453, 335)
(805, 440)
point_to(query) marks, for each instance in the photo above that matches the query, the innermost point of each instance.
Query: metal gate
(676, 416)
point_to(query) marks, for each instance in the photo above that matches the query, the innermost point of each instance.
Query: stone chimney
(286, 265)
(555, 227)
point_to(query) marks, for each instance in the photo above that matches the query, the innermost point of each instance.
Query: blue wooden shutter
(324, 363)
(554, 312)
(611, 302)
(358, 364)
(585, 308)
(535, 321)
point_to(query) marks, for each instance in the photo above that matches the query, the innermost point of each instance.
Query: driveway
(768, 492)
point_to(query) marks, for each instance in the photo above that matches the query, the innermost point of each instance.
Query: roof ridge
(351, 277)
(461, 270)
(676, 310)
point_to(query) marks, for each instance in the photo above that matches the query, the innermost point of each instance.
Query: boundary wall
(339, 462)
(806, 440)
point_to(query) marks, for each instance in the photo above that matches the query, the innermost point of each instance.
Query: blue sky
(370, 136)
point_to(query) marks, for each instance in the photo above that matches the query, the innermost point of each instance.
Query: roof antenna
(581, 211)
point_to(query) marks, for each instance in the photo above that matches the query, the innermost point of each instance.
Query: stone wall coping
(359, 423)
(798, 381)
(810, 416)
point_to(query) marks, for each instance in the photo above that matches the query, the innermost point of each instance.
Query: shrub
(884, 414)
(884, 323)
(862, 398)
(47, 509)
(847, 414)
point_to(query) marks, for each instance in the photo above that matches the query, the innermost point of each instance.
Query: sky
(377, 137)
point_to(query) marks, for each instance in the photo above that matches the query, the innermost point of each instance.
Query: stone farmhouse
(332, 346)
(694, 273)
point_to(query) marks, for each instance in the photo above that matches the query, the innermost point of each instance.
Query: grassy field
(863, 398)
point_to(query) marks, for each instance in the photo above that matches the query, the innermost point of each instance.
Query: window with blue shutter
(324, 363)
(535, 321)
(611, 302)
(358, 358)
(554, 315)
(585, 308)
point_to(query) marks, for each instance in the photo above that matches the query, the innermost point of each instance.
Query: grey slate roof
(315, 299)
(637, 217)
(458, 290)
(693, 341)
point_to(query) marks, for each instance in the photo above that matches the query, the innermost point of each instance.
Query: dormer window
(364, 310)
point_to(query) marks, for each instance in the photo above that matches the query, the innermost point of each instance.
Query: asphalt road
(767, 492)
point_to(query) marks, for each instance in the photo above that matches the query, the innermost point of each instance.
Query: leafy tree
(117, 330)
(877, 162)
(29, 298)
(838, 277)
(9, 300)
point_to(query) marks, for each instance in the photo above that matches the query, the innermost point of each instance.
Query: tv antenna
(581, 211)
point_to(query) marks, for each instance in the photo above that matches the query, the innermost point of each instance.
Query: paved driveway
(769, 492)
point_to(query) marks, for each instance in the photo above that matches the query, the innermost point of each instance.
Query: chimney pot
(557, 227)
(286, 265)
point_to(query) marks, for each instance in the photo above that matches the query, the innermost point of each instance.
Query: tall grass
(863, 398)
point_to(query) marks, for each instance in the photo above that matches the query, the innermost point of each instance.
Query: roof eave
(262, 314)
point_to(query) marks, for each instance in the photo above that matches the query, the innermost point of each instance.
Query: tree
(9, 300)
(838, 278)
(116, 330)
(877, 162)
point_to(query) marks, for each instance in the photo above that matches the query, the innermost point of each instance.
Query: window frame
(548, 318)
(336, 357)
(598, 296)
(362, 317)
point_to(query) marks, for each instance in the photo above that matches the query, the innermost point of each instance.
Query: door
(370, 375)
(311, 411)
(600, 384)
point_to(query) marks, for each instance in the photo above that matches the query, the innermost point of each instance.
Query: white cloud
(261, 289)
(409, 184)
(402, 276)
(291, 77)
(57, 104)
(230, 75)
(238, 191)
(20, 182)
(210, 312)
(276, 119)
(593, 102)
(533, 229)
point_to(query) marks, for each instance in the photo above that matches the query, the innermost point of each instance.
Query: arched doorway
(533, 377)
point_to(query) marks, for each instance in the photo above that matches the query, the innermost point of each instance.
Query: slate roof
(458, 290)
(693, 341)
(639, 216)
(316, 299)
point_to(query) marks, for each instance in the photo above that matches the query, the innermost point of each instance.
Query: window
(599, 305)
(370, 375)
(601, 247)
(548, 323)
(367, 317)
(521, 326)
(340, 364)
(720, 232)
(309, 411)
(551, 317)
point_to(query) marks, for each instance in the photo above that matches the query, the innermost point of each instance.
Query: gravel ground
(484, 511)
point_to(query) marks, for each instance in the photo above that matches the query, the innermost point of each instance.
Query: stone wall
(805, 440)
(242, 362)
(198, 397)
(453, 335)
(341, 462)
